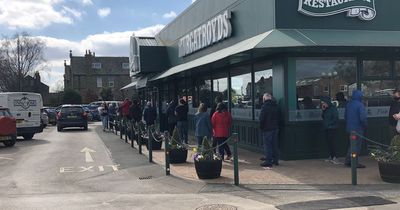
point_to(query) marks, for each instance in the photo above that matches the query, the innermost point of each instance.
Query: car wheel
(28, 136)
(11, 142)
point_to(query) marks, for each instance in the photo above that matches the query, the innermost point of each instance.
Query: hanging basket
(178, 155)
(208, 169)
(390, 172)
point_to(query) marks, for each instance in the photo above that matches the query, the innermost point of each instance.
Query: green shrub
(391, 154)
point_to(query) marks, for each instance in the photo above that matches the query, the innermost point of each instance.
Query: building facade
(90, 74)
(298, 50)
(35, 85)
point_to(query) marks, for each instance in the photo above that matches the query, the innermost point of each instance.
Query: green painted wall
(249, 18)
(387, 16)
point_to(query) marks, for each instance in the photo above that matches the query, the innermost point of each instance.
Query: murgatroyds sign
(363, 9)
(209, 33)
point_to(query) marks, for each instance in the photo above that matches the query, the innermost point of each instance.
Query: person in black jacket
(135, 111)
(394, 111)
(171, 118)
(269, 125)
(150, 114)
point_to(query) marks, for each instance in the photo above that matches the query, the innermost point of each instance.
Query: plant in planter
(208, 164)
(177, 152)
(389, 160)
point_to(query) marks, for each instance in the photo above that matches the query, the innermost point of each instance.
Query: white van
(25, 107)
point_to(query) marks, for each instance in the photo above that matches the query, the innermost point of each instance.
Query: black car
(72, 116)
(51, 112)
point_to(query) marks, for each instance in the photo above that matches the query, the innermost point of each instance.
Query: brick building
(90, 74)
(35, 85)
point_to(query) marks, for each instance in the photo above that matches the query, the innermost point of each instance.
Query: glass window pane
(204, 92)
(241, 96)
(378, 92)
(397, 68)
(376, 68)
(318, 77)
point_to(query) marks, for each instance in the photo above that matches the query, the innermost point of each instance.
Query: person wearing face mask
(330, 119)
(394, 112)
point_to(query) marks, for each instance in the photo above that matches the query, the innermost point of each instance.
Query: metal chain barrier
(371, 141)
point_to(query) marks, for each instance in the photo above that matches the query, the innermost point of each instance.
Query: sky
(102, 26)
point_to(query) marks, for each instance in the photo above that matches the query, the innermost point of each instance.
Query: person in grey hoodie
(203, 124)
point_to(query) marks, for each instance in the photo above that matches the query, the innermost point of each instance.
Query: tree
(19, 56)
(71, 96)
(106, 94)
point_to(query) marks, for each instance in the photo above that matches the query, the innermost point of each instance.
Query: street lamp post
(329, 75)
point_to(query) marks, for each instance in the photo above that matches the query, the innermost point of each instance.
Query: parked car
(89, 114)
(25, 107)
(44, 118)
(72, 116)
(8, 127)
(51, 113)
(95, 112)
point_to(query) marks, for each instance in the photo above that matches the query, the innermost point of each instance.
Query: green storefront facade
(298, 50)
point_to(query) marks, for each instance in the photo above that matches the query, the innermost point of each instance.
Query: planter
(208, 169)
(155, 144)
(178, 155)
(390, 172)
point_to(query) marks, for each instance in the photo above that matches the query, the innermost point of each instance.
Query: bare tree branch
(19, 56)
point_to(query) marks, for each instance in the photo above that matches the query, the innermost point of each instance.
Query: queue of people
(217, 125)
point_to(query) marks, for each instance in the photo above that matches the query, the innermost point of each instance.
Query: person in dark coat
(181, 113)
(171, 118)
(330, 119)
(269, 125)
(149, 114)
(341, 100)
(356, 121)
(394, 112)
(135, 111)
(217, 100)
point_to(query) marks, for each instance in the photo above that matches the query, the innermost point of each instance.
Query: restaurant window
(397, 68)
(378, 92)
(322, 77)
(263, 80)
(125, 65)
(202, 92)
(220, 87)
(376, 68)
(241, 92)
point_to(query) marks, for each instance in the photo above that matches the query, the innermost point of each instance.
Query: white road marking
(4, 158)
(87, 152)
(82, 169)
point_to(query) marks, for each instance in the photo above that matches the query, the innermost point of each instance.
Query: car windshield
(5, 113)
(66, 110)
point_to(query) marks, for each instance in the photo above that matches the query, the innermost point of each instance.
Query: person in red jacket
(221, 123)
(125, 108)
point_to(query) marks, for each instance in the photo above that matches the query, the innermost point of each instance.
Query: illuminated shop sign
(363, 9)
(209, 33)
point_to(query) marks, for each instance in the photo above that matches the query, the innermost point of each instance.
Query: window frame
(96, 65)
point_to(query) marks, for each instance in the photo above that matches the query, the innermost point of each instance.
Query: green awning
(286, 38)
(330, 38)
(242, 46)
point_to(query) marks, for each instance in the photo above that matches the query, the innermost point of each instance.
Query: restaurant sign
(363, 9)
(207, 34)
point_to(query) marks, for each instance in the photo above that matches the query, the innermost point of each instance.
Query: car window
(5, 113)
(67, 110)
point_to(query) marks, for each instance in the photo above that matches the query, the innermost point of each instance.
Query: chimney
(65, 63)
(70, 53)
(90, 54)
(94, 54)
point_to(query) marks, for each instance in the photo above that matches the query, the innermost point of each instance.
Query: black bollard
(167, 166)
(150, 144)
(235, 158)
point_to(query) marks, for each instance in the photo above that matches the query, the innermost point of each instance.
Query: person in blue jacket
(203, 124)
(356, 121)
